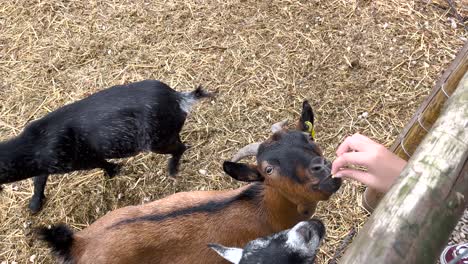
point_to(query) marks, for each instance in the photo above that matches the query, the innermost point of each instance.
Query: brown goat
(290, 177)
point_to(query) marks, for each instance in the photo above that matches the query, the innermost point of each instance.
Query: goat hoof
(35, 205)
(113, 170)
(1, 188)
(172, 171)
(172, 179)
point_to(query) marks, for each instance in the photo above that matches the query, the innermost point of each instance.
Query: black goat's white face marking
(186, 102)
(297, 245)
(303, 239)
(233, 255)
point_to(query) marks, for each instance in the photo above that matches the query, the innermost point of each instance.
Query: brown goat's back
(153, 233)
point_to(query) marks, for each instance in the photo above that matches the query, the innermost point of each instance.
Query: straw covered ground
(264, 57)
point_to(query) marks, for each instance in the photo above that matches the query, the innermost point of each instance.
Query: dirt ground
(264, 57)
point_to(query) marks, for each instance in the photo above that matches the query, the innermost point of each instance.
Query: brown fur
(301, 195)
(183, 239)
(283, 196)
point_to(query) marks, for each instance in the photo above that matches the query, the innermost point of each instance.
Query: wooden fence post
(427, 113)
(414, 220)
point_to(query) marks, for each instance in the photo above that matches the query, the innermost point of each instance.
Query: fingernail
(337, 175)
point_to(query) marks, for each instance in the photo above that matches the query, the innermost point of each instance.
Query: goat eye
(269, 170)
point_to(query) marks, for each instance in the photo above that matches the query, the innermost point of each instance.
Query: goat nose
(305, 232)
(319, 227)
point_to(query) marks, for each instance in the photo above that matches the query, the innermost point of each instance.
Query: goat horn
(249, 150)
(252, 149)
(279, 126)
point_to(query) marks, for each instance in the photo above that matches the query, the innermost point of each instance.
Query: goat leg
(174, 161)
(37, 200)
(111, 169)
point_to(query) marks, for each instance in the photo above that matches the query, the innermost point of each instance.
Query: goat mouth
(305, 210)
(329, 185)
(325, 180)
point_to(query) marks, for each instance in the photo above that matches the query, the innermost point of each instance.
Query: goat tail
(200, 93)
(60, 239)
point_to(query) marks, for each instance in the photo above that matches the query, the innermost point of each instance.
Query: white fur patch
(186, 102)
(260, 243)
(233, 255)
(296, 241)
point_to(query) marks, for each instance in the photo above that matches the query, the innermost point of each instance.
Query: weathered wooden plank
(414, 220)
(429, 111)
(425, 116)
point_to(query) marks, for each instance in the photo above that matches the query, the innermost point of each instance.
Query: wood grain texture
(415, 218)
(416, 129)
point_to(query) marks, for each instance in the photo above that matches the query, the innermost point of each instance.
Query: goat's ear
(307, 115)
(233, 255)
(242, 172)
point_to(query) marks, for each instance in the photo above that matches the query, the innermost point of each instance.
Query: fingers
(360, 176)
(356, 142)
(350, 158)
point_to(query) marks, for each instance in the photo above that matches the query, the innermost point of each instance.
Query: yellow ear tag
(310, 128)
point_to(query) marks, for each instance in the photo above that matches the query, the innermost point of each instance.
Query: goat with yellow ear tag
(288, 180)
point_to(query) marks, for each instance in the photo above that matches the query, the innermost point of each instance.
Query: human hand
(383, 166)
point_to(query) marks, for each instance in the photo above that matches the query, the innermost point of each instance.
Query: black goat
(117, 122)
(297, 245)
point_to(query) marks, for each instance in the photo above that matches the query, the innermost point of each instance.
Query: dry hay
(264, 57)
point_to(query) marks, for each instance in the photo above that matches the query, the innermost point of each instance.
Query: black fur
(253, 192)
(242, 172)
(277, 255)
(117, 122)
(273, 249)
(199, 93)
(276, 252)
(289, 152)
(60, 240)
(306, 115)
